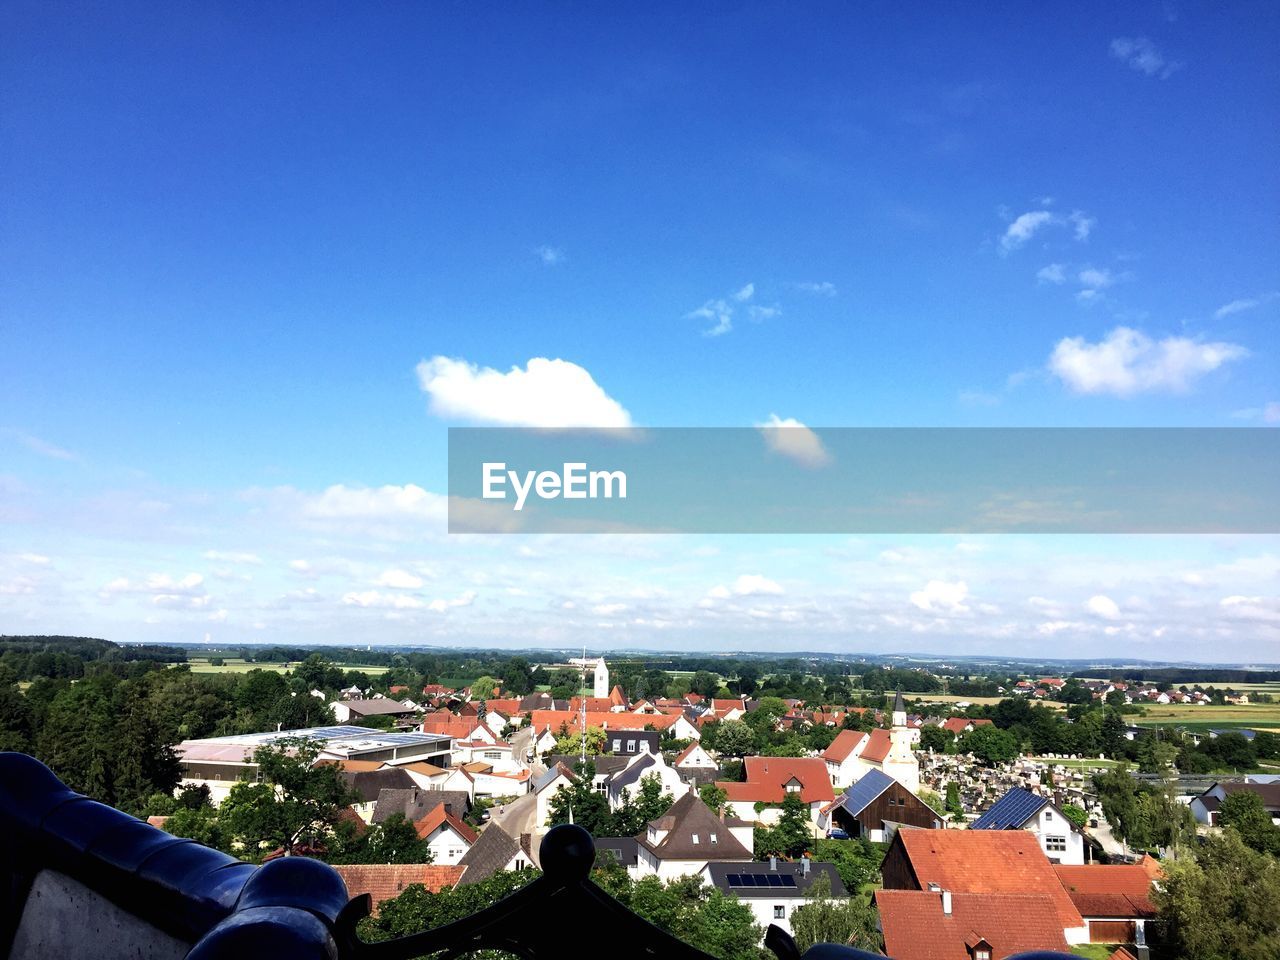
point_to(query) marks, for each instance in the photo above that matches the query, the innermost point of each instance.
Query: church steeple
(899, 711)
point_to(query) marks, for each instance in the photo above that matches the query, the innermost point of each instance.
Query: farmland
(1254, 716)
(236, 665)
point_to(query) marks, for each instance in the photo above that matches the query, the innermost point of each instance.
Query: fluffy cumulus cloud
(399, 580)
(747, 585)
(1103, 606)
(791, 438)
(185, 593)
(1052, 273)
(1143, 56)
(941, 596)
(545, 393)
(383, 601)
(464, 599)
(1127, 362)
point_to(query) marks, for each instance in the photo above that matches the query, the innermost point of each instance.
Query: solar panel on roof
(735, 880)
(1011, 811)
(775, 880)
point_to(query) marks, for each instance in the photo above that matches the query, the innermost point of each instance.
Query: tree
(954, 806)
(704, 682)
(17, 722)
(581, 803)
(570, 743)
(1245, 812)
(647, 804)
(713, 796)
(417, 908)
(483, 688)
(394, 840)
(857, 861)
(1077, 815)
(937, 739)
(297, 802)
(734, 738)
(990, 744)
(793, 834)
(822, 919)
(1221, 905)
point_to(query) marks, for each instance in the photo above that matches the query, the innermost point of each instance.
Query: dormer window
(981, 953)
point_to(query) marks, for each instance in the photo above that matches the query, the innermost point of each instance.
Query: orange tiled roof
(1108, 890)
(386, 881)
(845, 743)
(438, 817)
(915, 928)
(609, 721)
(985, 861)
(767, 778)
(877, 747)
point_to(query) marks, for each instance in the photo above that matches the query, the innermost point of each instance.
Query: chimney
(804, 866)
(773, 864)
(946, 903)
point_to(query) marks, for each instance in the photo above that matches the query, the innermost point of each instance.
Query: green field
(1078, 764)
(1263, 716)
(236, 665)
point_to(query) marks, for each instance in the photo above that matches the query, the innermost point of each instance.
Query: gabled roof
(1011, 812)
(549, 777)
(1109, 890)
(845, 743)
(776, 879)
(386, 881)
(689, 818)
(638, 768)
(369, 784)
(415, 803)
(684, 754)
(984, 861)
(957, 725)
(439, 817)
(810, 772)
(915, 928)
(870, 786)
(607, 721)
(488, 855)
(625, 850)
(877, 747)
(376, 708)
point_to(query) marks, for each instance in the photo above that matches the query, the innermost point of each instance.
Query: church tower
(601, 679)
(901, 763)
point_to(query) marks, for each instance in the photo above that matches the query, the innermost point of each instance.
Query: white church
(601, 673)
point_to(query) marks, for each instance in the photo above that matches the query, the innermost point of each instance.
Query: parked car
(835, 833)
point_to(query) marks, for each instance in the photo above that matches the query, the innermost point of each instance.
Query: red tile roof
(915, 928)
(510, 706)
(985, 861)
(724, 706)
(386, 881)
(767, 778)
(609, 721)
(438, 817)
(460, 728)
(877, 747)
(957, 724)
(845, 743)
(1111, 890)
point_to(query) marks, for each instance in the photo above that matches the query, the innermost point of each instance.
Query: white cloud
(42, 447)
(233, 557)
(793, 439)
(941, 596)
(36, 559)
(608, 609)
(1024, 227)
(1103, 606)
(399, 580)
(746, 293)
(550, 256)
(1053, 273)
(462, 600)
(385, 601)
(1267, 414)
(823, 289)
(1239, 306)
(759, 313)
(391, 503)
(747, 585)
(1126, 362)
(1142, 55)
(546, 393)
(1096, 278)
(719, 311)
(1082, 224)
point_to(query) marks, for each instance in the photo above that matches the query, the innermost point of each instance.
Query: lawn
(1095, 951)
(1078, 764)
(236, 665)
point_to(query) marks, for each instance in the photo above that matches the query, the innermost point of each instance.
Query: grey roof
(687, 818)
(369, 784)
(488, 855)
(415, 803)
(535, 701)
(1269, 793)
(605, 765)
(633, 773)
(1011, 811)
(624, 849)
(376, 708)
(552, 772)
(898, 705)
(773, 880)
(871, 785)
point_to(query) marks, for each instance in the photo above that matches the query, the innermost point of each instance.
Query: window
(493, 755)
(695, 838)
(713, 838)
(982, 953)
(780, 913)
(1055, 844)
(1048, 815)
(631, 746)
(617, 745)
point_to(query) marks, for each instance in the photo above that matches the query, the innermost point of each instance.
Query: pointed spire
(898, 705)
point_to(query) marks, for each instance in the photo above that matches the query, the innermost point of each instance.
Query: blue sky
(232, 240)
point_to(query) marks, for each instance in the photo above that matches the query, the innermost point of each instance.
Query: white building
(774, 889)
(689, 836)
(1021, 809)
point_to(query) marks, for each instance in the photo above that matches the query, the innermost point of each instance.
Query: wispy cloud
(1269, 413)
(1247, 303)
(720, 311)
(1127, 362)
(1052, 273)
(42, 447)
(1026, 225)
(823, 289)
(791, 438)
(1141, 55)
(544, 393)
(550, 256)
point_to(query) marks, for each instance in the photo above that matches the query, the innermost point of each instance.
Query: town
(873, 809)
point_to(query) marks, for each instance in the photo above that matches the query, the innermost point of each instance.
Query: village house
(346, 711)
(1113, 899)
(982, 862)
(946, 925)
(496, 851)
(770, 779)
(877, 805)
(1019, 809)
(689, 836)
(1205, 807)
(773, 889)
(386, 881)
